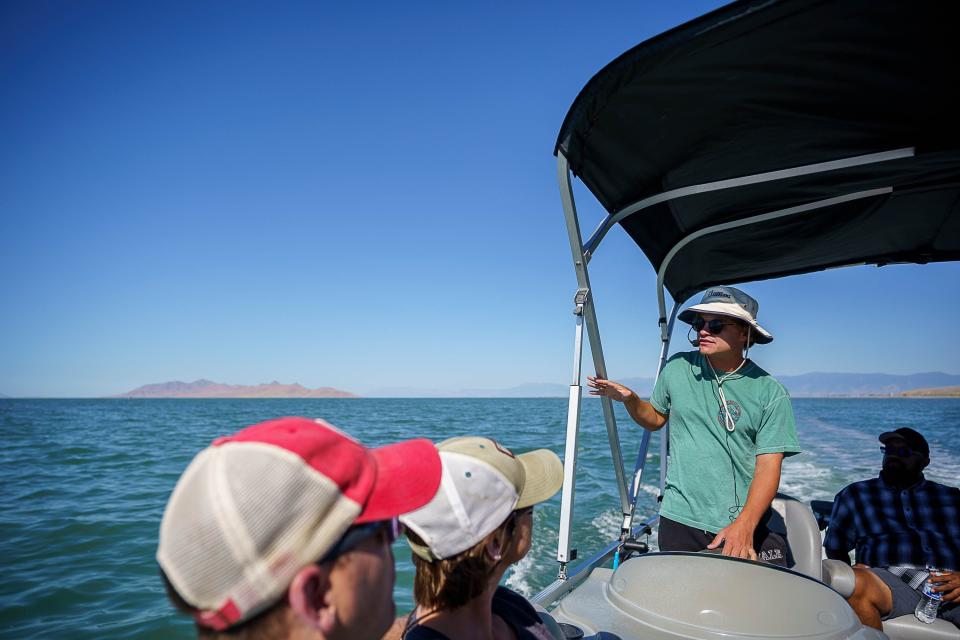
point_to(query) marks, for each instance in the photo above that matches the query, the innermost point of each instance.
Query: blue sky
(354, 196)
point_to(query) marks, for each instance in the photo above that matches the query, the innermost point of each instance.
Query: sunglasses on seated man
(714, 327)
(357, 535)
(896, 450)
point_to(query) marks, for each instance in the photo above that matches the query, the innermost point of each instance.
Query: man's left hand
(947, 583)
(737, 539)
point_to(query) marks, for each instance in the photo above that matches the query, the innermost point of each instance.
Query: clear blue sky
(355, 196)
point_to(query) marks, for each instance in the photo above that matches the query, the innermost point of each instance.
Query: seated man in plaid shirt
(899, 524)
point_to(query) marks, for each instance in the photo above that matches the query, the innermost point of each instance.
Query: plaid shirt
(916, 526)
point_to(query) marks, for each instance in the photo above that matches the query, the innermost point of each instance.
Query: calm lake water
(85, 483)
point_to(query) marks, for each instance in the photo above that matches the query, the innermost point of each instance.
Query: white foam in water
(805, 480)
(649, 488)
(943, 466)
(532, 573)
(518, 578)
(607, 523)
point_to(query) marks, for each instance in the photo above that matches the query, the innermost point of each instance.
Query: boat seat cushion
(839, 576)
(802, 534)
(909, 628)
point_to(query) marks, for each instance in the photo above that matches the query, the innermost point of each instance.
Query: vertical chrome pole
(564, 553)
(588, 318)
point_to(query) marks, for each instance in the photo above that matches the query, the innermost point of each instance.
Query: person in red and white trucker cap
(283, 530)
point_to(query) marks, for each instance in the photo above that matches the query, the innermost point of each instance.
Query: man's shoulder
(942, 488)
(861, 486)
(683, 357)
(772, 388)
(759, 373)
(679, 365)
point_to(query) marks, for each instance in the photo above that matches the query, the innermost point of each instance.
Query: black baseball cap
(913, 439)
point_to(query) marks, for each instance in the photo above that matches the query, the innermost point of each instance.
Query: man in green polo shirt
(731, 425)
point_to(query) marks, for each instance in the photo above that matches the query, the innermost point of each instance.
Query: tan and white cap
(254, 508)
(730, 302)
(482, 483)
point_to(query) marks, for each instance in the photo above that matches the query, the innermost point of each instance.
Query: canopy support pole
(666, 331)
(763, 217)
(586, 318)
(844, 163)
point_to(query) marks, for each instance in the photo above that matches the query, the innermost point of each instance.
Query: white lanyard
(727, 418)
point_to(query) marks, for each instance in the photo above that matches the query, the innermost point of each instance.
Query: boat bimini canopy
(765, 139)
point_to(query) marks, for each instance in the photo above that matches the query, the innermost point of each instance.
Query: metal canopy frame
(586, 318)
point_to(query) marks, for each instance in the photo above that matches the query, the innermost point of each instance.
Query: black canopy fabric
(759, 86)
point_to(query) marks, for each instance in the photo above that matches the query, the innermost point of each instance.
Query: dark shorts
(905, 599)
(674, 536)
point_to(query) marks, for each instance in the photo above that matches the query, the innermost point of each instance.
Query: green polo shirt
(709, 469)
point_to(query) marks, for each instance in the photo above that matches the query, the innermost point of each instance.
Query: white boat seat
(796, 522)
(839, 576)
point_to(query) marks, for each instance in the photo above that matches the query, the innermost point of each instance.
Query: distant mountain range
(806, 385)
(865, 384)
(943, 392)
(210, 389)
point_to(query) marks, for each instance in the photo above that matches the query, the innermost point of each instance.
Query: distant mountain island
(210, 389)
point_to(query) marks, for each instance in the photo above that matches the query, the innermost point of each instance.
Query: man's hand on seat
(737, 539)
(947, 583)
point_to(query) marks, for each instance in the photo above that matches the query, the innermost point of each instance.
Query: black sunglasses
(894, 450)
(714, 327)
(358, 534)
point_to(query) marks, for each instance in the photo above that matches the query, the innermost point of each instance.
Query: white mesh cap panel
(291, 514)
(474, 499)
(194, 554)
(269, 515)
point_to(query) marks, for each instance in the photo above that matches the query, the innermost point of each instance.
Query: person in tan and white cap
(479, 523)
(731, 426)
(283, 530)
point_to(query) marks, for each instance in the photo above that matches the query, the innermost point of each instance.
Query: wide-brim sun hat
(732, 303)
(482, 482)
(254, 508)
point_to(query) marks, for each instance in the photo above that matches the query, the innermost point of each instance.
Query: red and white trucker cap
(254, 508)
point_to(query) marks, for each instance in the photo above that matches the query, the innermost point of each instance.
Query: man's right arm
(644, 414)
(840, 537)
(641, 411)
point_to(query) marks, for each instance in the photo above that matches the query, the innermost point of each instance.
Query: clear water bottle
(926, 610)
